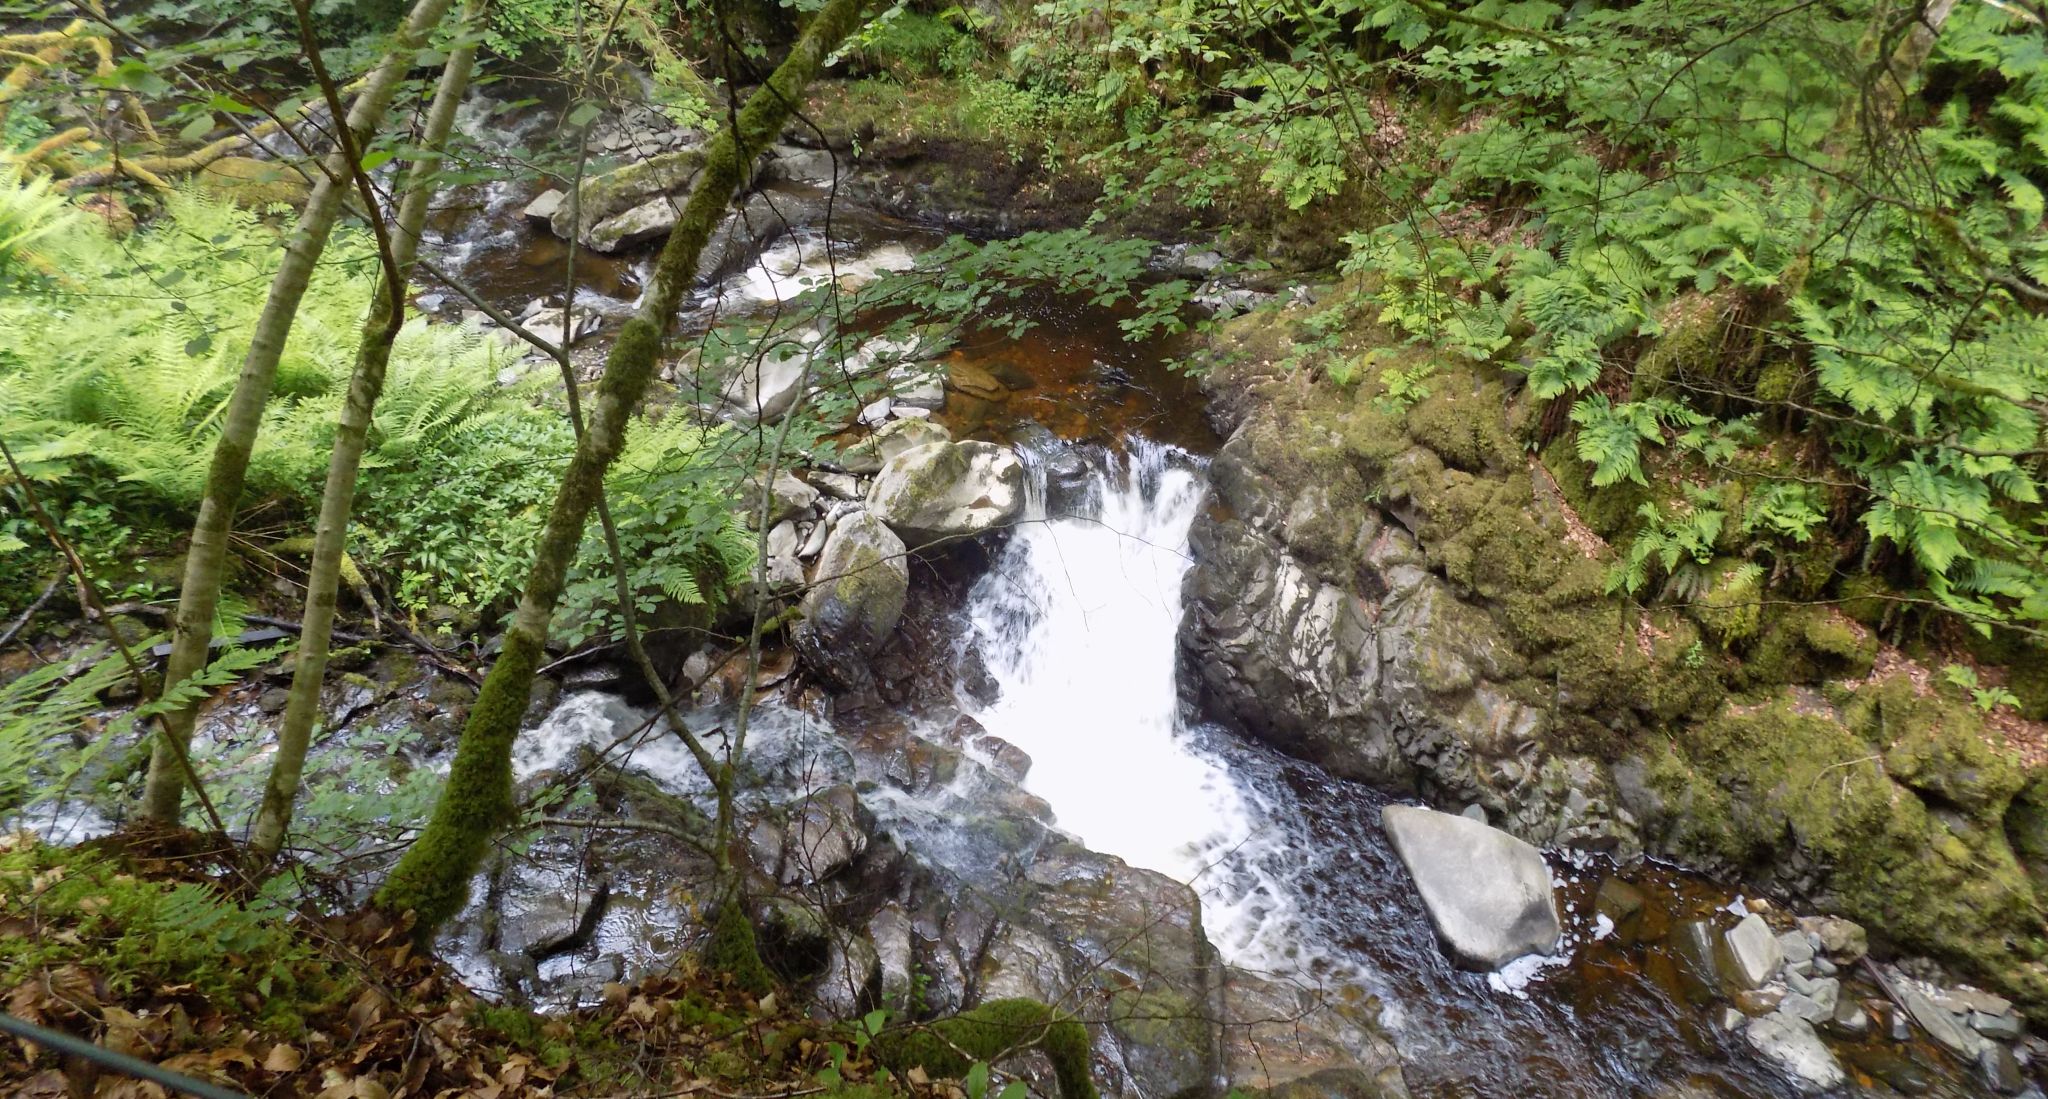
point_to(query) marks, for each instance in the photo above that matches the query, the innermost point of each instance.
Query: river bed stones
(1488, 894)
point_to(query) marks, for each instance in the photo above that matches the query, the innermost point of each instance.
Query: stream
(1073, 615)
(1070, 619)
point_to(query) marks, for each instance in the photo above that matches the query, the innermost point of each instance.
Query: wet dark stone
(1893, 1068)
(1621, 903)
(1999, 1070)
(974, 678)
(1694, 944)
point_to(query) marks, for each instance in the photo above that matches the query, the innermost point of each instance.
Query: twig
(631, 825)
(20, 623)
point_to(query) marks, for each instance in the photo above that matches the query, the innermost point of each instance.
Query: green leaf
(230, 105)
(198, 128)
(377, 159)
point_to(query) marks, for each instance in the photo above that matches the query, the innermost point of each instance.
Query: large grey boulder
(612, 193)
(1488, 894)
(766, 385)
(1793, 1045)
(942, 491)
(860, 585)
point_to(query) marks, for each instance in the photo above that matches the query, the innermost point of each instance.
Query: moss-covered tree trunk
(432, 880)
(381, 323)
(206, 557)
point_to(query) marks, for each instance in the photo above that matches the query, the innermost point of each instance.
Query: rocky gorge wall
(1407, 597)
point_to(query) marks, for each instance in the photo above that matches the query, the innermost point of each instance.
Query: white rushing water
(1076, 622)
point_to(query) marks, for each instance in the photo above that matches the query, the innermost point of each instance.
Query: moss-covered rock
(949, 1047)
(863, 580)
(1395, 595)
(246, 181)
(621, 189)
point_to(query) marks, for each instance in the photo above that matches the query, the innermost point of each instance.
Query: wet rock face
(1792, 1045)
(1488, 894)
(1377, 672)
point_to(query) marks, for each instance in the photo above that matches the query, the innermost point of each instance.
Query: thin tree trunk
(432, 880)
(206, 558)
(1911, 54)
(381, 324)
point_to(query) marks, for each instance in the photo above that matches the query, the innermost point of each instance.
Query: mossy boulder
(246, 181)
(1785, 789)
(944, 491)
(863, 580)
(949, 1047)
(614, 192)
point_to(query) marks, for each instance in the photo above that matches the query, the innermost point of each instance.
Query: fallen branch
(696, 843)
(21, 622)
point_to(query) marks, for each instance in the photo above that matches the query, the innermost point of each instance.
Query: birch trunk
(366, 383)
(432, 880)
(206, 557)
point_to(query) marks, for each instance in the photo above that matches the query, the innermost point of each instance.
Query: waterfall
(1076, 623)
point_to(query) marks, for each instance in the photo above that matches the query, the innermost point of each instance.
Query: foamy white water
(1076, 622)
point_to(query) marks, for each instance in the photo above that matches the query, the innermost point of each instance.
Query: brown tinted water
(1075, 374)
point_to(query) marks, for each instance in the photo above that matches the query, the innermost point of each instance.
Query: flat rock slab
(1938, 1023)
(1488, 894)
(1791, 1044)
(1753, 954)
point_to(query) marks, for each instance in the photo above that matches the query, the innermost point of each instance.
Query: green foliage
(46, 707)
(456, 525)
(1986, 699)
(1609, 162)
(115, 371)
(1678, 544)
(29, 210)
(140, 936)
(1611, 435)
(680, 536)
(911, 44)
(116, 367)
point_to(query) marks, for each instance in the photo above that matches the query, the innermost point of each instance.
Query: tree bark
(206, 557)
(432, 880)
(381, 322)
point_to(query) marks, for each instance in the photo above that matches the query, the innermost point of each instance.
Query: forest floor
(157, 949)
